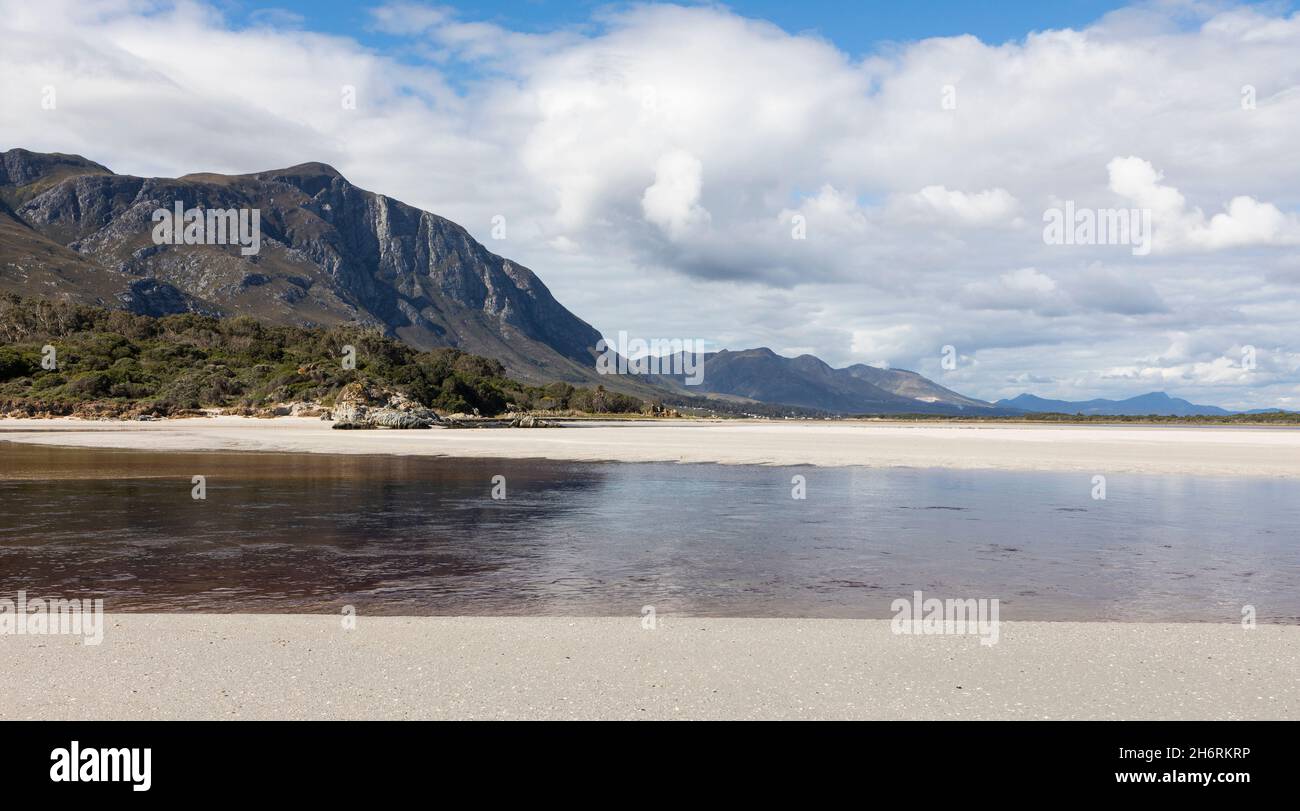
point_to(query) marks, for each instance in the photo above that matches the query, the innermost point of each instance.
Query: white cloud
(1246, 222)
(980, 208)
(1023, 289)
(564, 244)
(878, 346)
(672, 202)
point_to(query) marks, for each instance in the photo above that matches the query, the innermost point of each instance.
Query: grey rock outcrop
(529, 421)
(364, 405)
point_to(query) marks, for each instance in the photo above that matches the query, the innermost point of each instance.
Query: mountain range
(1154, 403)
(333, 253)
(761, 375)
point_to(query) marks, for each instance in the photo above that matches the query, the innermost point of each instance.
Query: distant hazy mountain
(913, 386)
(808, 382)
(1156, 402)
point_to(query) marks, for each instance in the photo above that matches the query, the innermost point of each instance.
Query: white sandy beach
(309, 667)
(1218, 451)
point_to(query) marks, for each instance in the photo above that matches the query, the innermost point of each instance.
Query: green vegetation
(113, 363)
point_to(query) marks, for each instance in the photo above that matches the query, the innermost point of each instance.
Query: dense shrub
(188, 361)
(17, 363)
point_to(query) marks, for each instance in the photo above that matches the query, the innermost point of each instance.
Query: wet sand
(1215, 451)
(309, 667)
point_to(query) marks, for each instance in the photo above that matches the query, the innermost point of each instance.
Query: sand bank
(295, 666)
(1224, 451)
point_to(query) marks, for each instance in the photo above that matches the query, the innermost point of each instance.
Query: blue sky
(855, 27)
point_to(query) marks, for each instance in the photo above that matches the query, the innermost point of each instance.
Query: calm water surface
(394, 535)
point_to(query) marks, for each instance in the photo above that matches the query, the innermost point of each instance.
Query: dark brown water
(395, 535)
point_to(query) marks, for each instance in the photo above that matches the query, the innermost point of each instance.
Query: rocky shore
(359, 406)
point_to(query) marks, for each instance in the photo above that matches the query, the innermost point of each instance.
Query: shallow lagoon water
(423, 535)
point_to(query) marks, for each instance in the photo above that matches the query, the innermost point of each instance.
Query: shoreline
(233, 666)
(1108, 449)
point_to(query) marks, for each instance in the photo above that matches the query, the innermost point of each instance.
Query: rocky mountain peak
(330, 253)
(309, 178)
(20, 167)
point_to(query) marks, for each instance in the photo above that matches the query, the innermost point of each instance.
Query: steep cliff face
(330, 253)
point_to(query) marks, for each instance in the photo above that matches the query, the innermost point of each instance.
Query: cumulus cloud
(672, 202)
(652, 163)
(1245, 222)
(878, 346)
(980, 208)
(1024, 289)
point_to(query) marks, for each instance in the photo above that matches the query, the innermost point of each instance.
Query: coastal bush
(16, 363)
(113, 361)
